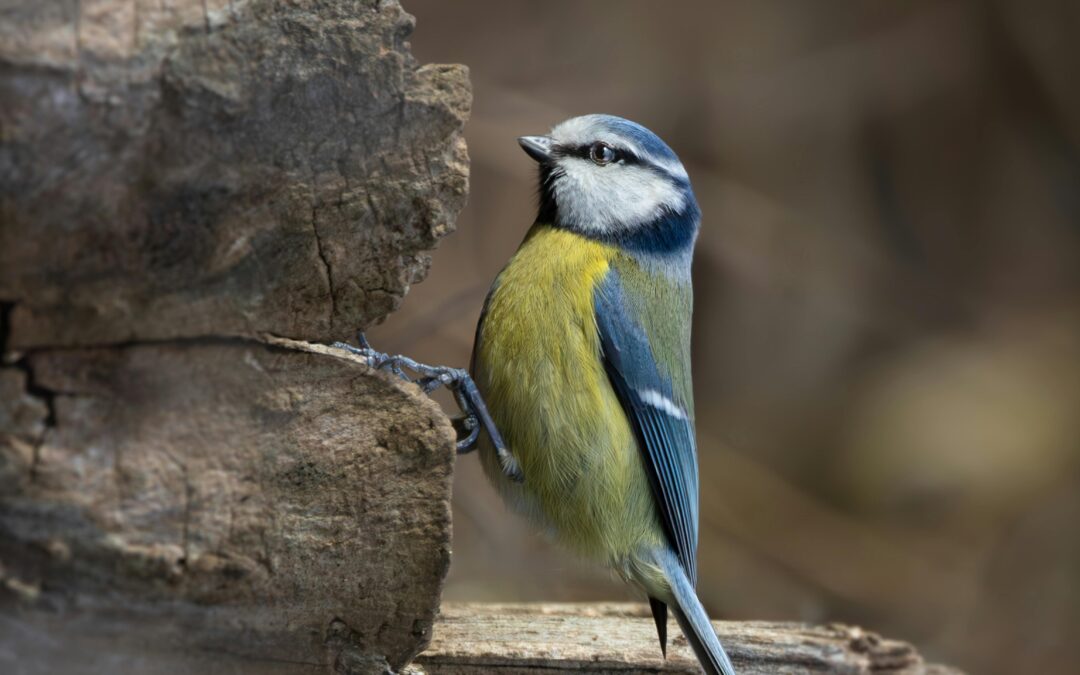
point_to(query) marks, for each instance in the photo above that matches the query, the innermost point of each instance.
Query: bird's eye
(601, 153)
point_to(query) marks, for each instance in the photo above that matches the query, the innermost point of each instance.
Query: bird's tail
(693, 620)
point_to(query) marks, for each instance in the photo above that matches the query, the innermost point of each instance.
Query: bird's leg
(458, 381)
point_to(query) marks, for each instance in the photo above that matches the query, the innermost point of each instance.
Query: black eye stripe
(623, 156)
(583, 152)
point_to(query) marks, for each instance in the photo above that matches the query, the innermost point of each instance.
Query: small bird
(582, 355)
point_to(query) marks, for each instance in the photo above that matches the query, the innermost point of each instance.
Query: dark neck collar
(671, 233)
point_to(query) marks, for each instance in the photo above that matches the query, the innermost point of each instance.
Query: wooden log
(620, 638)
(178, 179)
(219, 167)
(267, 504)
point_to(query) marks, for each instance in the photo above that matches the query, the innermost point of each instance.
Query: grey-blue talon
(457, 380)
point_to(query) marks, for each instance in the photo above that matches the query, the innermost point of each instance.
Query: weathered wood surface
(178, 180)
(620, 638)
(218, 167)
(259, 501)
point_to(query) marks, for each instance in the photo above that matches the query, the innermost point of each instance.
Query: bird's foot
(459, 382)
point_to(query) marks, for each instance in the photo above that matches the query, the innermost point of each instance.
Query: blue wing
(656, 408)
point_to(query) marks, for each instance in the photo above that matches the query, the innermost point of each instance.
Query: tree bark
(228, 497)
(180, 491)
(219, 167)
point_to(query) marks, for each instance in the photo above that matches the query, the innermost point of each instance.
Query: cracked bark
(308, 487)
(180, 492)
(194, 164)
(326, 263)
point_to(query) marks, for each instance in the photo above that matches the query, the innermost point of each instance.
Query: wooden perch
(620, 638)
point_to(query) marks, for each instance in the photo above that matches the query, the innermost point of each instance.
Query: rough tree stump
(181, 179)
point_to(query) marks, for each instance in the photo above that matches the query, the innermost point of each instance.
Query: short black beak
(538, 147)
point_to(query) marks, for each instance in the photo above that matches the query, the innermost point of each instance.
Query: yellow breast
(538, 366)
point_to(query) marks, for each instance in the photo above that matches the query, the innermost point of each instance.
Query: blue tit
(582, 354)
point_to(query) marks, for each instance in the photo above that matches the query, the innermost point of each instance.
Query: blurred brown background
(887, 326)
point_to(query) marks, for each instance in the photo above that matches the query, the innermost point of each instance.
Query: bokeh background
(887, 325)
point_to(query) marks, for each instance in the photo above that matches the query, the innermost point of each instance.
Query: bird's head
(611, 179)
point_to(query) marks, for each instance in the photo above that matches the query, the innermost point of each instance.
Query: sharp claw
(468, 444)
(429, 384)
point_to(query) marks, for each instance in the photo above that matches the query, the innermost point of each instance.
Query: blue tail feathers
(692, 618)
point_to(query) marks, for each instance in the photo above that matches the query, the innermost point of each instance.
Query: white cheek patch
(660, 402)
(612, 198)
